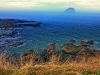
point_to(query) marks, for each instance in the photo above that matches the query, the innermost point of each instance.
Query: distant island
(70, 10)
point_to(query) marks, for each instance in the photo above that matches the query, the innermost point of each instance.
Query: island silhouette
(70, 10)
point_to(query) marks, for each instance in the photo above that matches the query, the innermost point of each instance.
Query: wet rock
(87, 43)
(90, 42)
(16, 44)
(50, 47)
(72, 41)
(88, 52)
(48, 52)
(33, 25)
(86, 55)
(71, 48)
(12, 33)
(85, 52)
(11, 23)
(2, 45)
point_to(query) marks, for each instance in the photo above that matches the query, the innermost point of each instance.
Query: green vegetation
(2, 72)
(91, 73)
(38, 71)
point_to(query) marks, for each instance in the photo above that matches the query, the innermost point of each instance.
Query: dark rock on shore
(23, 21)
(71, 48)
(10, 33)
(11, 23)
(86, 52)
(9, 29)
(16, 44)
(72, 41)
(48, 52)
(33, 25)
(76, 54)
(87, 43)
(79, 53)
(50, 47)
(86, 55)
(2, 46)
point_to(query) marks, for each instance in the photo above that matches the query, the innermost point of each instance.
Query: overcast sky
(80, 5)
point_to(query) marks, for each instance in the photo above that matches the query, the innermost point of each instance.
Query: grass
(5, 72)
(91, 73)
(51, 70)
(53, 67)
(71, 69)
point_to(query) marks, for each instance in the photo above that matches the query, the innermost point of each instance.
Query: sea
(56, 28)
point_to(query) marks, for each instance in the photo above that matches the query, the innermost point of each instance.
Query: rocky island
(70, 10)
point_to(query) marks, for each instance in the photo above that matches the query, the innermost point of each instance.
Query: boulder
(72, 41)
(85, 52)
(71, 48)
(50, 47)
(90, 42)
(48, 52)
(87, 43)
(86, 55)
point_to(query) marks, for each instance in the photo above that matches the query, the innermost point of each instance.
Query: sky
(79, 5)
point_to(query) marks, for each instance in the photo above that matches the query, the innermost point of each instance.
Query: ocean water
(57, 28)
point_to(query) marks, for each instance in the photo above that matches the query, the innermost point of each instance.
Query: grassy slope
(52, 69)
(91, 67)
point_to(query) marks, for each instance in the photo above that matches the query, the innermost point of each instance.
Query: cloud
(50, 4)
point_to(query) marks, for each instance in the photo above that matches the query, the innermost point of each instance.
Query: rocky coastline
(73, 52)
(8, 29)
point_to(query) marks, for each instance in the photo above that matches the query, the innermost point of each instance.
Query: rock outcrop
(10, 23)
(70, 10)
(48, 52)
(17, 44)
(87, 43)
(72, 41)
(71, 48)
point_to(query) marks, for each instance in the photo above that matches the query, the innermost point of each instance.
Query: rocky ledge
(9, 29)
(50, 54)
(87, 43)
(7, 23)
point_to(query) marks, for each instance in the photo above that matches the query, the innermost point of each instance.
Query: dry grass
(53, 67)
(69, 69)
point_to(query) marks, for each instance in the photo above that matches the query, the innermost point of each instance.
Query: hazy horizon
(50, 6)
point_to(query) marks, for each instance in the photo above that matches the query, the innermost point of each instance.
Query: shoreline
(68, 59)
